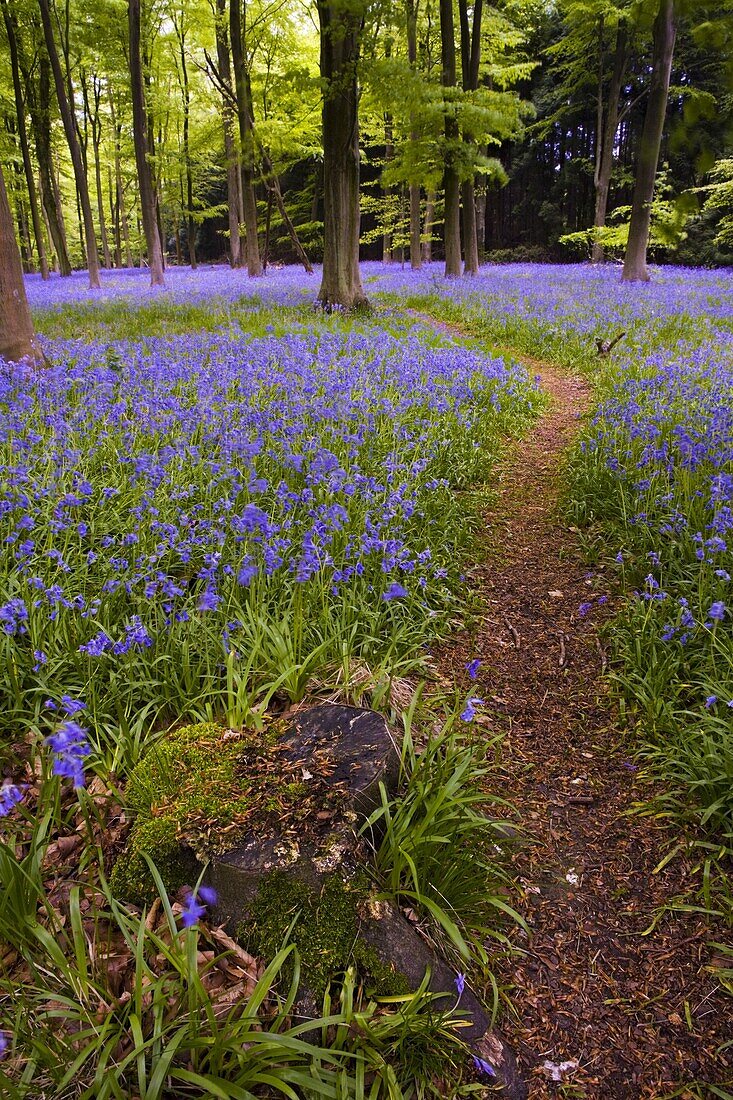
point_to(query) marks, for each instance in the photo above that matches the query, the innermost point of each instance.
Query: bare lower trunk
(635, 269)
(139, 125)
(451, 183)
(427, 242)
(470, 237)
(38, 106)
(244, 116)
(415, 250)
(340, 30)
(10, 27)
(96, 126)
(481, 222)
(234, 168)
(17, 341)
(607, 136)
(67, 117)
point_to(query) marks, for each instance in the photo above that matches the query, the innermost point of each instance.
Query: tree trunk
(67, 118)
(606, 134)
(234, 169)
(96, 125)
(481, 222)
(39, 109)
(427, 242)
(17, 341)
(244, 116)
(139, 127)
(451, 184)
(23, 138)
(415, 250)
(388, 192)
(470, 61)
(635, 268)
(340, 31)
(186, 95)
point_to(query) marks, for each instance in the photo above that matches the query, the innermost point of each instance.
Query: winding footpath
(610, 997)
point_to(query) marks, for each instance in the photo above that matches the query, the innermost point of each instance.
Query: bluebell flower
(717, 611)
(395, 592)
(10, 796)
(70, 747)
(483, 1066)
(195, 905)
(469, 712)
(711, 701)
(460, 984)
(472, 668)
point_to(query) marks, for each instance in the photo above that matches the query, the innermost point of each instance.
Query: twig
(513, 632)
(563, 654)
(602, 655)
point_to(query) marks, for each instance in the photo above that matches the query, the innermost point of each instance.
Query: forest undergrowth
(229, 505)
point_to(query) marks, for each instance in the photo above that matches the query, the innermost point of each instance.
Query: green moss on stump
(326, 930)
(198, 789)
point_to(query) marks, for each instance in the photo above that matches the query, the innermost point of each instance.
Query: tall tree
(139, 126)
(415, 249)
(228, 114)
(10, 28)
(635, 266)
(246, 140)
(341, 23)
(470, 62)
(606, 126)
(17, 340)
(67, 117)
(451, 180)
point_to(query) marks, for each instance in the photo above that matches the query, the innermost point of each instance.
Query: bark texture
(77, 161)
(139, 126)
(606, 134)
(17, 341)
(246, 141)
(451, 183)
(234, 168)
(470, 61)
(340, 31)
(635, 266)
(415, 249)
(10, 27)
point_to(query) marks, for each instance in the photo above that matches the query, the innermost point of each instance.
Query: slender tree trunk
(10, 28)
(186, 95)
(481, 222)
(340, 32)
(67, 118)
(427, 243)
(145, 182)
(244, 115)
(470, 61)
(274, 192)
(17, 341)
(388, 192)
(234, 168)
(635, 268)
(606, 134)
(96, 125)
(268, 218)
(415, 250)
(39, 109)
(451, 184)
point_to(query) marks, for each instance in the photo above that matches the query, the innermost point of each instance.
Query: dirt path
(632, 1015)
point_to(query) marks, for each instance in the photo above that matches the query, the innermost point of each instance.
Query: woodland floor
(632, 1013)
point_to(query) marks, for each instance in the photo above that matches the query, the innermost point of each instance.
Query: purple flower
(70, 746)
(10, 796)
(195, 905)
(469, 713)
(711, 701)
(717, 611)
(483, 1066)
(209, 600)
(584, 609)
(394, 592)
(460, 984)
(14, 616)
(72, 706)
(4, 1044)
(472, 668)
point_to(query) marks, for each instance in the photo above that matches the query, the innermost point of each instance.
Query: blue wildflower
(472, 668)
(395, 592)
(70, 747)
(483, 1066)
(469, 713)
(10, 796)
(195, 905)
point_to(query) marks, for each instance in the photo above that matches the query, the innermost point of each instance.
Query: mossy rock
(324, 922)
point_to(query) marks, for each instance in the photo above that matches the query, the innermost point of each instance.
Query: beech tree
(635, 265)
(17, 340)
(340, 23)
(145, 180)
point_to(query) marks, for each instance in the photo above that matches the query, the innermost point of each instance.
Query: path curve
(600, 1010)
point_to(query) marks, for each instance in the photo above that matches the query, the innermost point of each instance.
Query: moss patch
(199, 791)
(326, 930)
